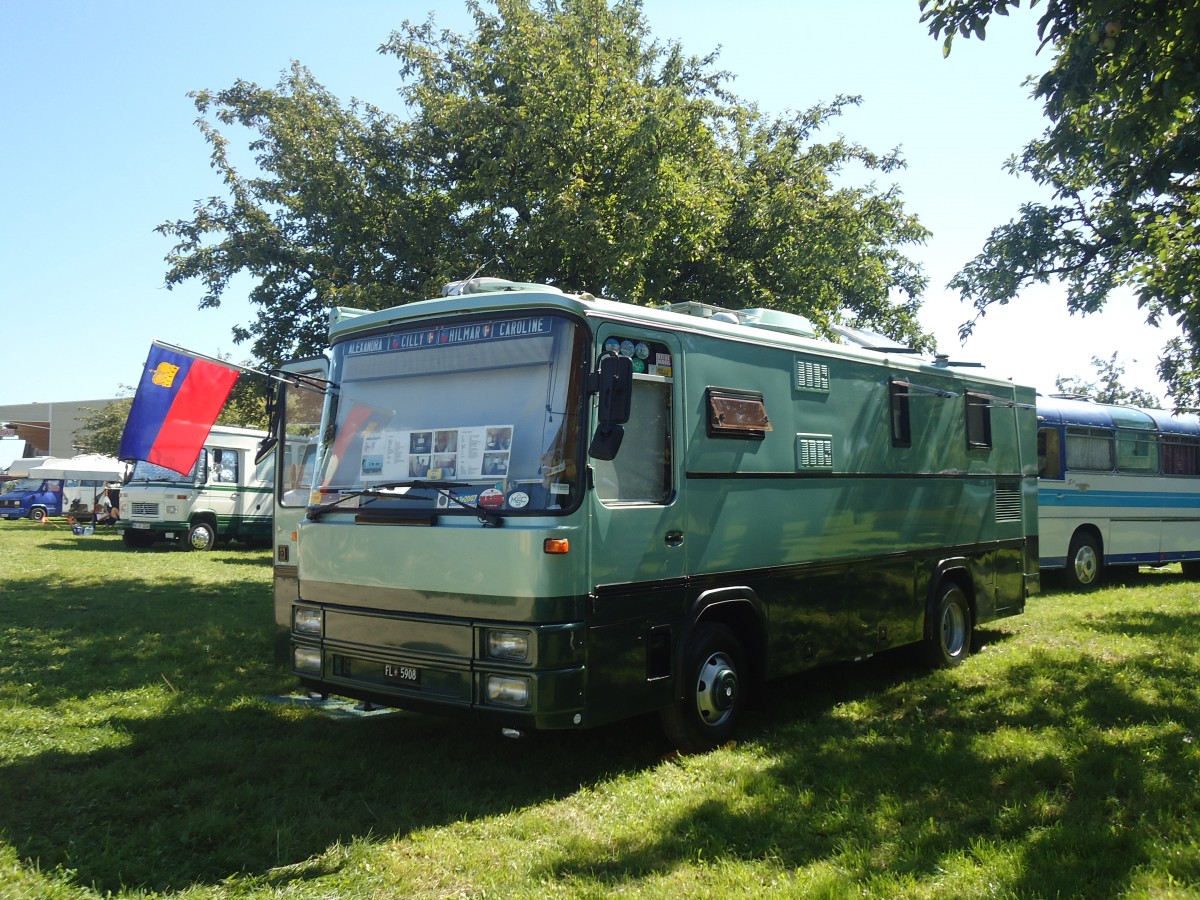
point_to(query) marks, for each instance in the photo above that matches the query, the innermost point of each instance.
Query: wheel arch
(1093, 531)
(740, 610)
(956, 571)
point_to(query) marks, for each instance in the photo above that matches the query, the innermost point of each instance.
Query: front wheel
(706, 715)
(37, 514)
(1083, 562)
(201, 536)
(949, 640)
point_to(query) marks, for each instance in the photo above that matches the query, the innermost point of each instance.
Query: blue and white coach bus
(1117, 486)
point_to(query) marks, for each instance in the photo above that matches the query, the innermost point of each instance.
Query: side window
(1180, 455)
(979, 422)
(1049, 450)
(737, 414)
(300, 422)
(224, 468)
(641, 473)
(901, 419)
(1090, 448)
(1137, 451)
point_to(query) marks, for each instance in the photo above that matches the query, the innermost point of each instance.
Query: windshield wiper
(443, 488)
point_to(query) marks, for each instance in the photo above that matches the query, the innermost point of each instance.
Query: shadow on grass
(876, 767)
(212, 779)
(1072, 771)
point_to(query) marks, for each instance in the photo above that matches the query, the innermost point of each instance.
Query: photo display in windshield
(488, 411)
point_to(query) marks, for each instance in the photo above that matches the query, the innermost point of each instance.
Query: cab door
(296, 421)
(637, 546)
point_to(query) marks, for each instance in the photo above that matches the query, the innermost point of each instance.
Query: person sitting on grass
(104, 514)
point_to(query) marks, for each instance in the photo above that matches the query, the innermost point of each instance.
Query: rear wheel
(1083, 561)
(949, 640)
(202, 535)
(707, 713)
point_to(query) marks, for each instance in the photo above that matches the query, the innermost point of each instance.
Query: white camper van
(226, 496)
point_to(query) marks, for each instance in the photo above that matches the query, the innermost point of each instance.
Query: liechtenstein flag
(178, 399)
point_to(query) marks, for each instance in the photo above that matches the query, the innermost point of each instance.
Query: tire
(137, 539)
(1191, 569)
(37, 514)
(1084, 562)
(950, 629)
(713, 697)
(202, 536)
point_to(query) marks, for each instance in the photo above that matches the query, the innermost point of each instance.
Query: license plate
(406, 674)
(142, 525)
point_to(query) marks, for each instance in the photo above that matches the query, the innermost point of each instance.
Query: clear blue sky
(100, 147)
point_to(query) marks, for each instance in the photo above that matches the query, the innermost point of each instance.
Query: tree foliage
(100, 428)
(1122, 156)
(557, 142)
(1108, 387)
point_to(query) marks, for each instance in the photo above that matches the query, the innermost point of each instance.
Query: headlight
(508, 645)
(306, 660)
(507, 690)
(306, 620)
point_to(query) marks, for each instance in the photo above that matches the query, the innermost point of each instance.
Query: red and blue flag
(178, 399)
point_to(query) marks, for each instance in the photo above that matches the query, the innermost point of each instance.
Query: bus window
(1137, 451)
(1180, 455)
(901, 417)
(979, 422)
(1089, 448)
(641, 473)
(1049, 454)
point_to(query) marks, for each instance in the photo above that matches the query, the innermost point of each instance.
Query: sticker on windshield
(440, 454)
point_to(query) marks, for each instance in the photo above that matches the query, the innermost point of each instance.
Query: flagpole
(295, 379)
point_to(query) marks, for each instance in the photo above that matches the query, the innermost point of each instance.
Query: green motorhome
(551, 511)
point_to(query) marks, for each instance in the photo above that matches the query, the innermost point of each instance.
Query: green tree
(557, 142)
(100, 429)
(1108, 388)
(1121, 154)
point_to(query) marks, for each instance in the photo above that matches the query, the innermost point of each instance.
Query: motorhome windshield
(26, 484)
(487, 411)
(148, 471)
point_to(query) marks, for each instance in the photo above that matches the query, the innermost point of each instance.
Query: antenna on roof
(482, 266)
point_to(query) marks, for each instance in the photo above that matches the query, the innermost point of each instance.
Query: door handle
(673, 538)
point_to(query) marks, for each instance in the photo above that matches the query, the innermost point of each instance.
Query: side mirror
(614, 383)
(273, 411)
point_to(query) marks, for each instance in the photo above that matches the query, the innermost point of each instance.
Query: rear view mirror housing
(613, 382)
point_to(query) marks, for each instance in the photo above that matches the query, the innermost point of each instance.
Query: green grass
(141, 755)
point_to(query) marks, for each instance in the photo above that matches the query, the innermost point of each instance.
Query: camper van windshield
(486, 411)
(148, 471)
(26, 484)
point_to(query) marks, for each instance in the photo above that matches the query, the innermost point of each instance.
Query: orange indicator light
(556, 545)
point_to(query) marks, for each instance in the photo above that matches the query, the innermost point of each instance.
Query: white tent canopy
(89, 466)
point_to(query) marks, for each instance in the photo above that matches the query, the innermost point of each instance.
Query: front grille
(144, 509)
(10, 502)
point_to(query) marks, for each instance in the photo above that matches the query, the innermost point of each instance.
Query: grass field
(144, 751)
